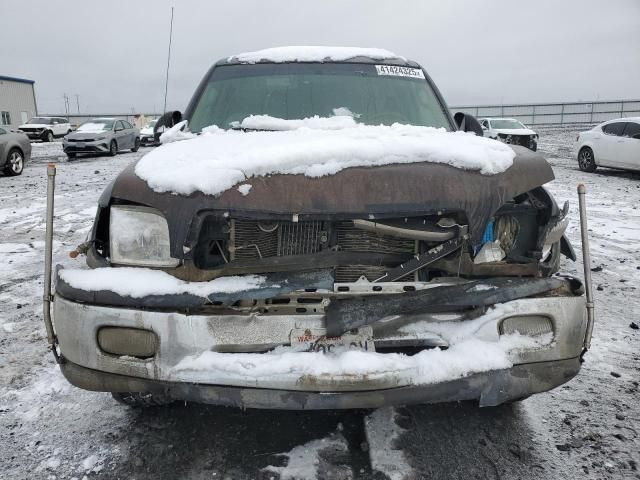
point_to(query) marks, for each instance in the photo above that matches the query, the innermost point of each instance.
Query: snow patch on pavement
(140, 282)
(382, 433)
(304, 460)
(218, 159)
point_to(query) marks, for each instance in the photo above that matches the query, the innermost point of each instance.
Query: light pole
(166, 80)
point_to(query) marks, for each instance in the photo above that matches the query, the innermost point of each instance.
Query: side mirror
(468, 123)
(167, 120)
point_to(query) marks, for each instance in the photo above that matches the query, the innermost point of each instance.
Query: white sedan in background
(509, 130)
(613, 144)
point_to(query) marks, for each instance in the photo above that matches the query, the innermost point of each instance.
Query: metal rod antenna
(48, 253)
(166, 80)
(586, 263)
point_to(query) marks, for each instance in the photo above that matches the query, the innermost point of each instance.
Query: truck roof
(318, 54)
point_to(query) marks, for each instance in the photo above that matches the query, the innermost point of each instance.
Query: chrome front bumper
(97, 146)
(181, 335)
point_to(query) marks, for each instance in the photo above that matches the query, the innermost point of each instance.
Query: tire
(141, 400)
(136, 145)
(586, 160)
(48, 136)
(71, 155)
(15, 163)
(113, 148)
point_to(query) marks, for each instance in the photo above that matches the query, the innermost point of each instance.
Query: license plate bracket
(316, 340)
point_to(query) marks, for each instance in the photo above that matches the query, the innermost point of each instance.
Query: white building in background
(17, 101)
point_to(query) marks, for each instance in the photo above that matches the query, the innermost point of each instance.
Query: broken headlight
(139, 236)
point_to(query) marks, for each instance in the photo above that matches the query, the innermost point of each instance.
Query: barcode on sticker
(400, 71)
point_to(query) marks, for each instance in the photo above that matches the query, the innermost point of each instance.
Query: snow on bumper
(197, 348)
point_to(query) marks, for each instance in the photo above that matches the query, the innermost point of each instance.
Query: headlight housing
(139, 236)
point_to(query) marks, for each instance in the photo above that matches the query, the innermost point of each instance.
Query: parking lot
(588, 428)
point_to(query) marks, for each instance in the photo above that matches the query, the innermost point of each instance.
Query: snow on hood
(146, 131)
(313, 54)
(138, 282)
(514, 131)
(218, 159)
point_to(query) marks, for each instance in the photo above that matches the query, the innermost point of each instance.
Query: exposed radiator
(299, 238)
(286, 238)
(252, 239)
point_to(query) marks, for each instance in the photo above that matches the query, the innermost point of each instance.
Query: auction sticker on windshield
(396, 71)
(316, 340)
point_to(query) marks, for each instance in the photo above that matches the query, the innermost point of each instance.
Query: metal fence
(569, 113)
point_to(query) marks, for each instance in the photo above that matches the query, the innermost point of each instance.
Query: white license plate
(316, 340)
(80, 144)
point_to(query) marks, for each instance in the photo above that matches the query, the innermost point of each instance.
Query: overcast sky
(113, 54)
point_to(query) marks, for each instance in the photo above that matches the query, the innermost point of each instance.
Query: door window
(119, 125)
(2, 131)
(632, 129)
(615, 128)
(126, 124)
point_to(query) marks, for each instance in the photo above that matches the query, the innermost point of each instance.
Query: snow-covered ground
(588, 428)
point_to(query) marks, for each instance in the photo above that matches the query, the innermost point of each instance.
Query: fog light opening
(529, 325)
(125, 341)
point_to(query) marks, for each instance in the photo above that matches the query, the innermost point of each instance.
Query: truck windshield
(294, 91)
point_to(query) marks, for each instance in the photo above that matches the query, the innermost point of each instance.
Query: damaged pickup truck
(318, 232)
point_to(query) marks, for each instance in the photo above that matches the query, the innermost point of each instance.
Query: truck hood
(360, 192)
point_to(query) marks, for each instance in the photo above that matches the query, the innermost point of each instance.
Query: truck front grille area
(529, 141)
(250, 239)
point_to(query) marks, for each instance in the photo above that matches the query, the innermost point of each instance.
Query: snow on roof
(313, 54)
(218, 159)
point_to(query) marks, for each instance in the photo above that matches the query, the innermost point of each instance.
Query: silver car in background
(15, 150)
(102, 135)
(148, 136)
